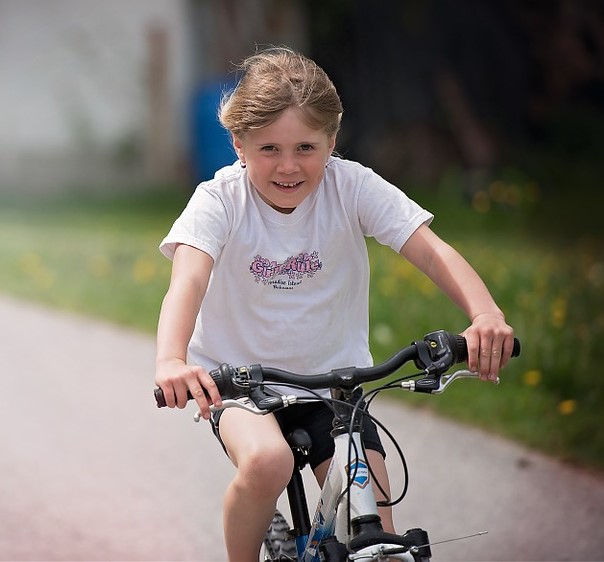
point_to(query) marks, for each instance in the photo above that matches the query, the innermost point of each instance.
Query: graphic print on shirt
(287, 274)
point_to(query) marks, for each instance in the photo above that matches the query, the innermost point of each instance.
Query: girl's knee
(268, 467)
(257, 448)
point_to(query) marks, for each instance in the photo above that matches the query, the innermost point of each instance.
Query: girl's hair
(274, 80)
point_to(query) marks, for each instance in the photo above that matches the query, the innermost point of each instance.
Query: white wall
(74, 90)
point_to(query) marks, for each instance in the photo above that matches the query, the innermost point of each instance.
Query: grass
(100, 258)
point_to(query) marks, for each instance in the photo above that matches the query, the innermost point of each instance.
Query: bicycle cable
(368, 397)
(359, 409)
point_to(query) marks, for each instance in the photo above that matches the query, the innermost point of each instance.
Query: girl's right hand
(176, 378)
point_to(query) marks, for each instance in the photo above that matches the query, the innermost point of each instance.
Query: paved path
(91, 470)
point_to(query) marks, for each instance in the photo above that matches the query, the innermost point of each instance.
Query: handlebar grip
(221, 376)
(460, 347)
(160, 398)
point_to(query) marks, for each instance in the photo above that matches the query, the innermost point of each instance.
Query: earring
(243, 164)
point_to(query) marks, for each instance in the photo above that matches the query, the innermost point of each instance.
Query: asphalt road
(90, 469)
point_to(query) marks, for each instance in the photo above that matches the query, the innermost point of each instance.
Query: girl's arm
(191, 270)
(490, 339)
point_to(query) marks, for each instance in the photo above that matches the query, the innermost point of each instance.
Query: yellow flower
(595, 274)
(567, 407)
(498, 191)
(32, 265)
(403, 269)
(427, 287)
(513, 195)
(382, 334)
(501, 275)
(388, 285)
(532, 377)
(30, 262)
(558, 312)
(481, 202)
(143, 270)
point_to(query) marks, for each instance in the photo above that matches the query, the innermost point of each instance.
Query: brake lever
(446, 380)
(241, 403)
(433, 385)
(245, 403)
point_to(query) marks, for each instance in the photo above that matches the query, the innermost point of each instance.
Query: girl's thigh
(246, 435)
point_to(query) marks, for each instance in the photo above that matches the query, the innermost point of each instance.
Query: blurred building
(119, 93)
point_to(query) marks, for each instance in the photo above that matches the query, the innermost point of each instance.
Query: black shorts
(316, 418)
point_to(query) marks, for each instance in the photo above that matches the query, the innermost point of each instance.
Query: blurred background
(489, 113)
(99, 94)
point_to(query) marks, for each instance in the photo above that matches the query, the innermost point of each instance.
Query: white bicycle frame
(332, 515)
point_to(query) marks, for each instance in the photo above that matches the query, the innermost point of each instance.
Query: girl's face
(285, 160)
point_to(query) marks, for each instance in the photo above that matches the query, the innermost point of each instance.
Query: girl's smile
(285, 160)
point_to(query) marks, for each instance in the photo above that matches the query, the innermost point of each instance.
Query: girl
(270, 266)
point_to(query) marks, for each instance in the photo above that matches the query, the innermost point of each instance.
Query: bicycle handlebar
(435, 354)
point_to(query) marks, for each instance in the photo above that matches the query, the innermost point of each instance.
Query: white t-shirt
(290, 290)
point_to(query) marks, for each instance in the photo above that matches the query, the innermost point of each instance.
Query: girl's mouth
(288, 185)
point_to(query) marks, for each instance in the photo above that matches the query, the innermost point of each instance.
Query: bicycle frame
(331, 515)
(347, 495)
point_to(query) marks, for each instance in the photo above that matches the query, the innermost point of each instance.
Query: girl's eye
(268, 148)
(306, 147)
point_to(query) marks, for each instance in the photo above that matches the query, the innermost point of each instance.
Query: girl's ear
(332, 144)
(238, 146)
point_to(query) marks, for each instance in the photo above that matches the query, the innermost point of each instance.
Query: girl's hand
(490, 343)
(176, 378)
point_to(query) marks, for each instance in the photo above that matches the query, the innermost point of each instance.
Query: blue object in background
(211, 147)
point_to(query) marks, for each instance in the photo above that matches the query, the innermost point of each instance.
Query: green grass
(94, 257)
(100, 258)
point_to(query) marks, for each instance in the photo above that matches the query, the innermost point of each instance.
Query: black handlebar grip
(221, 376)
(160, 399)
(460, 347)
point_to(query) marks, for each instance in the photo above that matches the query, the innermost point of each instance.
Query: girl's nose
(287, 164)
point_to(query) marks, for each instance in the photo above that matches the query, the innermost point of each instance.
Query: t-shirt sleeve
(203, 224)
(386, 213)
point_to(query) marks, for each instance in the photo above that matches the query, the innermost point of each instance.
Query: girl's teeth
(286, 184)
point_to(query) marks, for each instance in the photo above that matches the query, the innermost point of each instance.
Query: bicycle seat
(299, 440)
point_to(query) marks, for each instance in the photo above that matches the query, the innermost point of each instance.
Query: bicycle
(346, 525)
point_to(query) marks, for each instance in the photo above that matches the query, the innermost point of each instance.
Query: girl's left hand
(490, 343)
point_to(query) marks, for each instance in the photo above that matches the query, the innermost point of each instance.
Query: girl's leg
(378, 466)
(376, 461)
(264, 464)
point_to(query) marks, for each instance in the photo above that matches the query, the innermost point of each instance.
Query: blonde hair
(274, 80)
